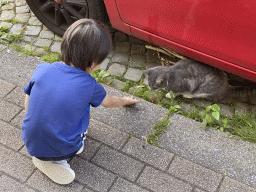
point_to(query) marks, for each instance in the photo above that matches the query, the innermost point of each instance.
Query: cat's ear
(159, 79)
(146, 71)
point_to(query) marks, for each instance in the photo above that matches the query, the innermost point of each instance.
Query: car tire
(58, 15)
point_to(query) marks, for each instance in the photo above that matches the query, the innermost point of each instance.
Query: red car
(219, 33)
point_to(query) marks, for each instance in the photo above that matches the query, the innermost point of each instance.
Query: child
(59, 96)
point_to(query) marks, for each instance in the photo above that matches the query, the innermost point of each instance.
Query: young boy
(59, 96)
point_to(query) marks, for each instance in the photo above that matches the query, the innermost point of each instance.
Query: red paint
(219, 33)
(58, 1)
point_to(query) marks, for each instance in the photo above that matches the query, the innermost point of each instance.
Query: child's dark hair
(84, 42)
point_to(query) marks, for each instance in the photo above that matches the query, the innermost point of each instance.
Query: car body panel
(219, 33)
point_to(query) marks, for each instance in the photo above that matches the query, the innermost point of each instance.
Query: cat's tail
(241, 91)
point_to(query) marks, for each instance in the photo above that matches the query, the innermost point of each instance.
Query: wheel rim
(62, 13)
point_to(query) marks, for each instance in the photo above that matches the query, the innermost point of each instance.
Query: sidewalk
(189, 159)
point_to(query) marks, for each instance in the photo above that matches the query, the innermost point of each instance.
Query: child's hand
(130, 100)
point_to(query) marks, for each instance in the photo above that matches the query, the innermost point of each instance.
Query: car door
(222, 29)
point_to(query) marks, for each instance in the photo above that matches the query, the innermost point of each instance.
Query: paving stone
(120, 58)
(17, 121)
(16, 29)
(41, 51)
(202, 103)
(152, 56)
(138, 61)
(29, 47)
(158, 181)
(90, 147)
(195, 174)
(104, 64)
(3, 24)
(118, 163)
(210, 148)
(19, 3)
(118, 84)
(29, 39)
(56, 47)
(17, 96)
(57, 37)
(241, 108)
(33, 30)
(133, 74)
(106, 134)
(46, 35)
(122, 47)
(122, 185)
(43, 43)
(23, 17)
(138, 49)
(24, 151)
(148, 153)
(8, 6)
(188, 107)
(7, 15)
(198, 190)
(230, 185)
(117, 69)
(41, 182)
(151, 65)
(22, 9)
(86, 190)
(91, 175)
(10, 136)
(11, 185)
(9, 162)
(34, 21)
(226, 110)
(5, 88)
(135, 40)
(8, 110)
(138, 119)
(120, 36)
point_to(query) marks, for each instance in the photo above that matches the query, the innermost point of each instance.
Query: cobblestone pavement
(189, 158)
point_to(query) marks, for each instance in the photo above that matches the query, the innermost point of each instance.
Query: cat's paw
(168, 95)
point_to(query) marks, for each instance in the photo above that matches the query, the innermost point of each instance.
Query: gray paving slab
(133, 74)
(150, 154)
(122, 185)
(90, 148)
(15, 165)
(118, 163)
(11, 185)
(117, 69)
(211, 149)
(91, 175)
(10, 136)
(8, 110)
(195, 174)
(14, 68)
(230, 185)
(17, 96)
(157, 181)
(106, 134)
(5, 88)
(138, 119)
(17, 121)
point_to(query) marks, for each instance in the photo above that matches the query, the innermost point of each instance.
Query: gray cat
(193, 79)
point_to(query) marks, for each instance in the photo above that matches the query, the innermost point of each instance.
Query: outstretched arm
(113, 101)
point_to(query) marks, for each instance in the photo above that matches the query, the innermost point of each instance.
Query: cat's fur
(193, 79)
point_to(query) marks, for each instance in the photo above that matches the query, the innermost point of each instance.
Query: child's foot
(58, 171)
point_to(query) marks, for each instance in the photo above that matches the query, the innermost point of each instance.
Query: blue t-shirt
(58, 109)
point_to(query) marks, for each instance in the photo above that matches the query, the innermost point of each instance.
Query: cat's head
(157, 77)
